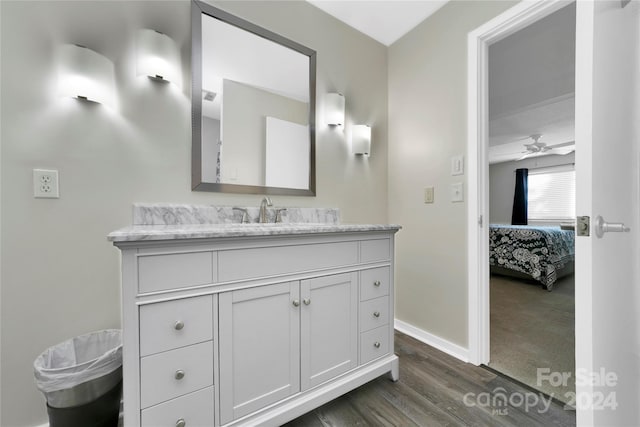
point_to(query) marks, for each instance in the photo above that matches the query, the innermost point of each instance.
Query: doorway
(531, 156)
(606, 112)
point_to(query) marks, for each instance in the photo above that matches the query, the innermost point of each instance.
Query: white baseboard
(434, 341)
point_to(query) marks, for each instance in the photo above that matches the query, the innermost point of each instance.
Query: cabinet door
(329, 327)
(259, 348)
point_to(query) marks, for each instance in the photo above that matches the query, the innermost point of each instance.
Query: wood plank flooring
(431, 392)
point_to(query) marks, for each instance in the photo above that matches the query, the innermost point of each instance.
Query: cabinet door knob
(376, 283)
(181, 423)
(376, 314)
(179, 374)
(178, 325)
(306, 301)
(376, 344)
(296, 303)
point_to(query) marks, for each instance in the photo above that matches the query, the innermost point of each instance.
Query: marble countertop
(204, 231)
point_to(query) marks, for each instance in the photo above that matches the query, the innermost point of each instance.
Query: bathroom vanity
(229, 324)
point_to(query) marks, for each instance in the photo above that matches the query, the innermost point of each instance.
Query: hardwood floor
(436, 389)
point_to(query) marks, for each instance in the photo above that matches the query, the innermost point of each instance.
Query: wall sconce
(85, 74)
(158, 57)
(334, 109)
(361, 139)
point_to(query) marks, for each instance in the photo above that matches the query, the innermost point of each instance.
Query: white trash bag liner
(78, 360)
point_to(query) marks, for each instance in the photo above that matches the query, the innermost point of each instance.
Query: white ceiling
(234, 54)
(383, 20)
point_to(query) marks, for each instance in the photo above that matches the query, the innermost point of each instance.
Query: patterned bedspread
(538, 252)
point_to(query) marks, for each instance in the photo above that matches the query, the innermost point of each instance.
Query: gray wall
(210, 139)
(427, 125)
(244, 133)
(502, 183)
(60, 276)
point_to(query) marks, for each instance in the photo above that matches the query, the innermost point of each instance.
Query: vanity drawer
(374, 344)
(196, 409)
(374, 283)
(160, 378)
(163, 272)
(375, 250)
(374, 313)
(172, 324)
(263, 262)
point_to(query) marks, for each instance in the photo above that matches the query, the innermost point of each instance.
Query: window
(552, 194)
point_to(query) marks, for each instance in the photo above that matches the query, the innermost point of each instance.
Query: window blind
(552, 194)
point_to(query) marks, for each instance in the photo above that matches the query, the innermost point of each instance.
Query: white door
(607, 297)
(328, 328)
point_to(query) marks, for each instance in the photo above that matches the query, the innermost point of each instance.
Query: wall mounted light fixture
(361, 139)
(158, 57)
(334, 109)
(85, 74)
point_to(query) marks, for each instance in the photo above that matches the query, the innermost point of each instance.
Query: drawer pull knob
(178, 325)
(306, 301)
(296, 303)
(376, 314)
(181, 423)
(376, 344)
(376, 283)
(179, 374)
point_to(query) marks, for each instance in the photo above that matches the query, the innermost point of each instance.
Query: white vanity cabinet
(329, 327)
(259, 348)
(252, 329)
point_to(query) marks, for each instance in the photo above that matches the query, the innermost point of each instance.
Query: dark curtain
(519, 214)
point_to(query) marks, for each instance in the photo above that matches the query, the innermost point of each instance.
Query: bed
(543, 254)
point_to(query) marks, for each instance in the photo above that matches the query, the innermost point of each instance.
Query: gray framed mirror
(253, 107)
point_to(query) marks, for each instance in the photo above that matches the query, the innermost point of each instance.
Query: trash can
(81, 379)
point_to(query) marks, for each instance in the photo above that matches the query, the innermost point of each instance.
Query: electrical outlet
(45, 184)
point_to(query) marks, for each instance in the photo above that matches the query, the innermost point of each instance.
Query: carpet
(532, 328)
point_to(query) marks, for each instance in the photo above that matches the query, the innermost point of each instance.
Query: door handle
(601, 227)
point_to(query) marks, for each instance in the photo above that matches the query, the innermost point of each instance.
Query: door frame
(514, 19)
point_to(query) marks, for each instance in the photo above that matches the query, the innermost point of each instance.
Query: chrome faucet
(245, 215)
(266, 201)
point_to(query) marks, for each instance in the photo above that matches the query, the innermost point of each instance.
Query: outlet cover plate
(45, 184)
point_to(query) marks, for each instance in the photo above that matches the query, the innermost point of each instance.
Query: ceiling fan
(537, 148)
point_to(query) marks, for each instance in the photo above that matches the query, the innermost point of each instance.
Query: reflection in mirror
(254, 124)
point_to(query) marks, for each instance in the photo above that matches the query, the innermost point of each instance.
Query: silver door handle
(601, 227)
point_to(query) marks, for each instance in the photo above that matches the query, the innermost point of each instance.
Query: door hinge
(583, 225)
(480, 221)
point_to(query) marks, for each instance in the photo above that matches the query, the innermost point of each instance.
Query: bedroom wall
(427, 126)
(60, 276)
(502, 183)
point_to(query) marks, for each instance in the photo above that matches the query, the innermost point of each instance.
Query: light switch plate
(428, 194)
(457, 194)
(457, 165)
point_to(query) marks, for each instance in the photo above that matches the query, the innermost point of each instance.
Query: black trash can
(81, 379)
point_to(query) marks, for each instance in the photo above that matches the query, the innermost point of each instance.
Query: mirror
(253, 108)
